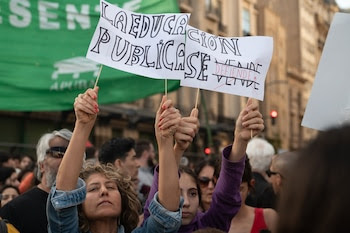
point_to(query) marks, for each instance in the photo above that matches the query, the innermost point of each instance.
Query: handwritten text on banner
(150, 45)
(234, 65)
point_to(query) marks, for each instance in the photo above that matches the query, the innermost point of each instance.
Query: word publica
(143, 26)
(215, 43)
(123, 51)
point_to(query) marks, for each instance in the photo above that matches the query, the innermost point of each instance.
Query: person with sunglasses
(226, 199)
(278, 171)
(30, 207)
(207, 172)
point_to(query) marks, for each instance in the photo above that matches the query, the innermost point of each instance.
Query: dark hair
(5, 172)
(15, 156)
(212, 162)
(190, 172)
(4, 157)
(141, 146)
(90, 152)
(316, 194)
(247, 174)
(116, 148)
(9, 186)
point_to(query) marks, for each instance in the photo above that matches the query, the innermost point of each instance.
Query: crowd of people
(71, 186)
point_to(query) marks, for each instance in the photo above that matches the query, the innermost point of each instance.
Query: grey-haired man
(27, 212)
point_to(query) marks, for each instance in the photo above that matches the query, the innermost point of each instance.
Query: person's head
(5, 159)
(50, 150)
(260, 153)
(8, 192)
(8, 176)
(15, 160)
(190, 191)
(25, 162)
(278, 171)
(316, 195)
(207, 172)
(109, 196)
(144, 152)
(121, 153)
(247, 181)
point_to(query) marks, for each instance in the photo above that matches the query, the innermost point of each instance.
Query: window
(246, 22)
(208, 4)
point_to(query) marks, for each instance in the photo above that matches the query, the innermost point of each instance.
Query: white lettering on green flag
(43, 46)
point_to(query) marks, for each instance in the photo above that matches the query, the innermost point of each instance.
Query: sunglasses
(204, 181)
(271, 173)
(56, 152)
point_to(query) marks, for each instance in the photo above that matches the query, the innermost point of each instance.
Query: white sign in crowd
(329, 102)
(147, 45)
(163, 46)
(233, 65)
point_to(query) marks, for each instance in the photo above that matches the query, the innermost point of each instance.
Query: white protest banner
(329, 102)
(151, 45)
(233, 65)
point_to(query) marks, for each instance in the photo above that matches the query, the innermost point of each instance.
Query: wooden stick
(98, 76)
(166, 87)
(196, 105)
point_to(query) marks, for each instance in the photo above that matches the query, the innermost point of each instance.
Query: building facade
(299, 29)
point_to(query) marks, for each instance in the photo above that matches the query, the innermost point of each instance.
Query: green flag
(42, 55)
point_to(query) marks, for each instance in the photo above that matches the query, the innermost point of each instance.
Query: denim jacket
(62, 213)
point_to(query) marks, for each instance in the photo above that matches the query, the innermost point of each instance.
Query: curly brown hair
(130, 203)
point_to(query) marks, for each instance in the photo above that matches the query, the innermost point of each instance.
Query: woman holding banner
(98, 198)
(226, 198)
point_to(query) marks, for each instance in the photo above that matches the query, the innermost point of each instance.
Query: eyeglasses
(204, 181)
(270, 173)
(56, 152)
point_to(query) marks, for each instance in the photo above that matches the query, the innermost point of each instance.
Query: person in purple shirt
(226, 198)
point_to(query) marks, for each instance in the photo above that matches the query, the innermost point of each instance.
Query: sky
(345, 4)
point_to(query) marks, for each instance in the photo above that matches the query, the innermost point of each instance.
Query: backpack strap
(3, 227)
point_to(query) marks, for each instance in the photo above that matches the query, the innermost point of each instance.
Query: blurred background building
(299, 29)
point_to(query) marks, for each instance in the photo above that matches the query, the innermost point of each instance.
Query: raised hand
(86, 107)
(187, 130)
(167, 119)
(249, 122)
(166, 124)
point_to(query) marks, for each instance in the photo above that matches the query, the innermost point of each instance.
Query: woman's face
(12, 180)
(8, 194)
(207, 183)
(103, 199)
(189, 192)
